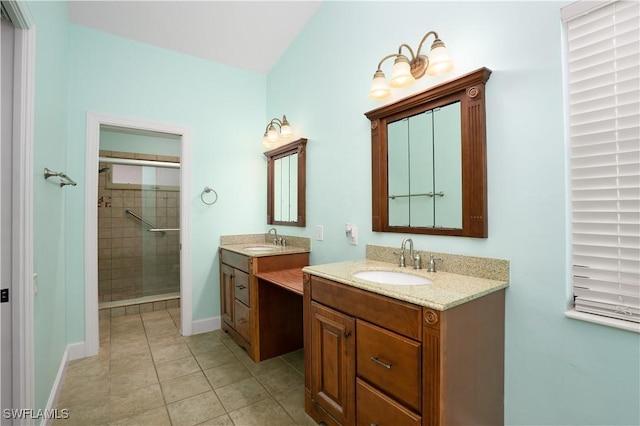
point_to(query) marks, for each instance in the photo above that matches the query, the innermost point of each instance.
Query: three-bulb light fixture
(406, 71)
(272, 137)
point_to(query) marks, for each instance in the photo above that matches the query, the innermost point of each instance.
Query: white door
(6, 169)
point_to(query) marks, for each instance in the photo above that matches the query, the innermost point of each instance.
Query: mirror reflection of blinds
(604, 109)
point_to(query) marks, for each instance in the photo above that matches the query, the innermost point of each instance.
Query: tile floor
(147, 374)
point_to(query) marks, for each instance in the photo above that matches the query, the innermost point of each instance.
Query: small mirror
(429, 160)
(286, 184)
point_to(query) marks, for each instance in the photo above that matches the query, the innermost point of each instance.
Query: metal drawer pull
(377, 361)
(241, 287)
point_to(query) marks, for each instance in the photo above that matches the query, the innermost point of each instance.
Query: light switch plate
(319, 232)
(353, 237)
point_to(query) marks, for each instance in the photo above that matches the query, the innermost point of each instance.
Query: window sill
(598, 319)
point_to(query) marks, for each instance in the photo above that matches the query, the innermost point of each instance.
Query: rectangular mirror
(286, 184)
(428, 152)
(425, 169)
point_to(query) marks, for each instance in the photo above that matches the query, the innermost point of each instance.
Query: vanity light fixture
(406, 71)
(272, 137)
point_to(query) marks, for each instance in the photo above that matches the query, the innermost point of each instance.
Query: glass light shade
(401, 76)
(272, 134)
(379, 87)
(266, 143)
(285, 131)
(439, 61)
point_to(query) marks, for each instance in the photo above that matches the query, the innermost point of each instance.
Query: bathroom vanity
(261, 296)
(379, 354)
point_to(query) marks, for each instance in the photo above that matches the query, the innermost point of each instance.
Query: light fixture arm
(435, 34)
(392, 55)
(410, 50)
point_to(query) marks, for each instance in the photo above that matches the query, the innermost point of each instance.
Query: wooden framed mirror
(429, 167)
(286, 184)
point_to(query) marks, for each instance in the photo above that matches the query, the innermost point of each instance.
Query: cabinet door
(333, 362)
(226, 293)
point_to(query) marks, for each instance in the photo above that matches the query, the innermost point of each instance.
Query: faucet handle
(417, 260)
(401, 261)
(432, 263)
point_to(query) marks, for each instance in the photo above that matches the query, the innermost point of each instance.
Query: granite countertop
(446, 290)
(262, 249)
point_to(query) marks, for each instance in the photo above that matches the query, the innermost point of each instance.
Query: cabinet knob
(347, 333)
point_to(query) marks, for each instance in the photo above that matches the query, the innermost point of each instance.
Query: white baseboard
(54, 395)
(206, 325)
(76, 351)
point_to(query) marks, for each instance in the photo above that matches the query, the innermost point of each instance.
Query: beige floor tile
(147, 374)
(125, 350)
(265, 412)
(133, 379)
(293, 403)
(195, 410)
(184, 386)
(81, 390)
(135, 402)
(241, 394)
(216, 357)
(169, 352)
(223, 420)
(154, 417)
(94, 412)
(280, 379)
(176, 368)
(205, 344)
(132, 362)
(227, 374)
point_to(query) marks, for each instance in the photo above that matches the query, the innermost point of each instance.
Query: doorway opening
(137, 219)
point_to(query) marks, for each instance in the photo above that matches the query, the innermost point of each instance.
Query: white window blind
(603, 50)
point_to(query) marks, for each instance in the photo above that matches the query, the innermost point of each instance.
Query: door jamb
(22, 288)
(94, 121)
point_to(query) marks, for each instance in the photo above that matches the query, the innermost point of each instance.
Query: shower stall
(138, 225)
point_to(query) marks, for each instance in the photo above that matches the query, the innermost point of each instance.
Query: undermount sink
(260, 248)
(392, 278)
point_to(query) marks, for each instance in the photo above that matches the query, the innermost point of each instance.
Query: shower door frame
(94, 121)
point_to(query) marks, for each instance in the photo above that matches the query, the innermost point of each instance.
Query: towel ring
(207, 190)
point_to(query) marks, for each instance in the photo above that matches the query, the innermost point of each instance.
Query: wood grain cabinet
(240, 299)
(375, 360)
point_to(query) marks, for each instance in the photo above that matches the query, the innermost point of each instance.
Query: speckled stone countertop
(258, 245)
(446, 290)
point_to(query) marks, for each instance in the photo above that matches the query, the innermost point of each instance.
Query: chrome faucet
(275, 238)
(415, 256)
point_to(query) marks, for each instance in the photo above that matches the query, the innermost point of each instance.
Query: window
(603, 80)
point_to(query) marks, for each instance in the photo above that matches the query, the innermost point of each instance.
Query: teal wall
(558, 370)
(49, 200)
(225, 109)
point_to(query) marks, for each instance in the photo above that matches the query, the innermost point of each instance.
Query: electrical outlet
(319, 232)
(353, 237)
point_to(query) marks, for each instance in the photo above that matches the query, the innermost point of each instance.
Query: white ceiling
(250, 35)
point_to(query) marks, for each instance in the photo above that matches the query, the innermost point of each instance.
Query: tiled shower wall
(133, 262)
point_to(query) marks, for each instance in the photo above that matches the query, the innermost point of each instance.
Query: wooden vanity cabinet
(372, 359)
(240, 297)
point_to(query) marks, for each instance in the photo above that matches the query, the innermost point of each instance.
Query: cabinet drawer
(375, 408)
(401, 317)
(390, 362)
(241, 283)
(243, 320)
(236, 260)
